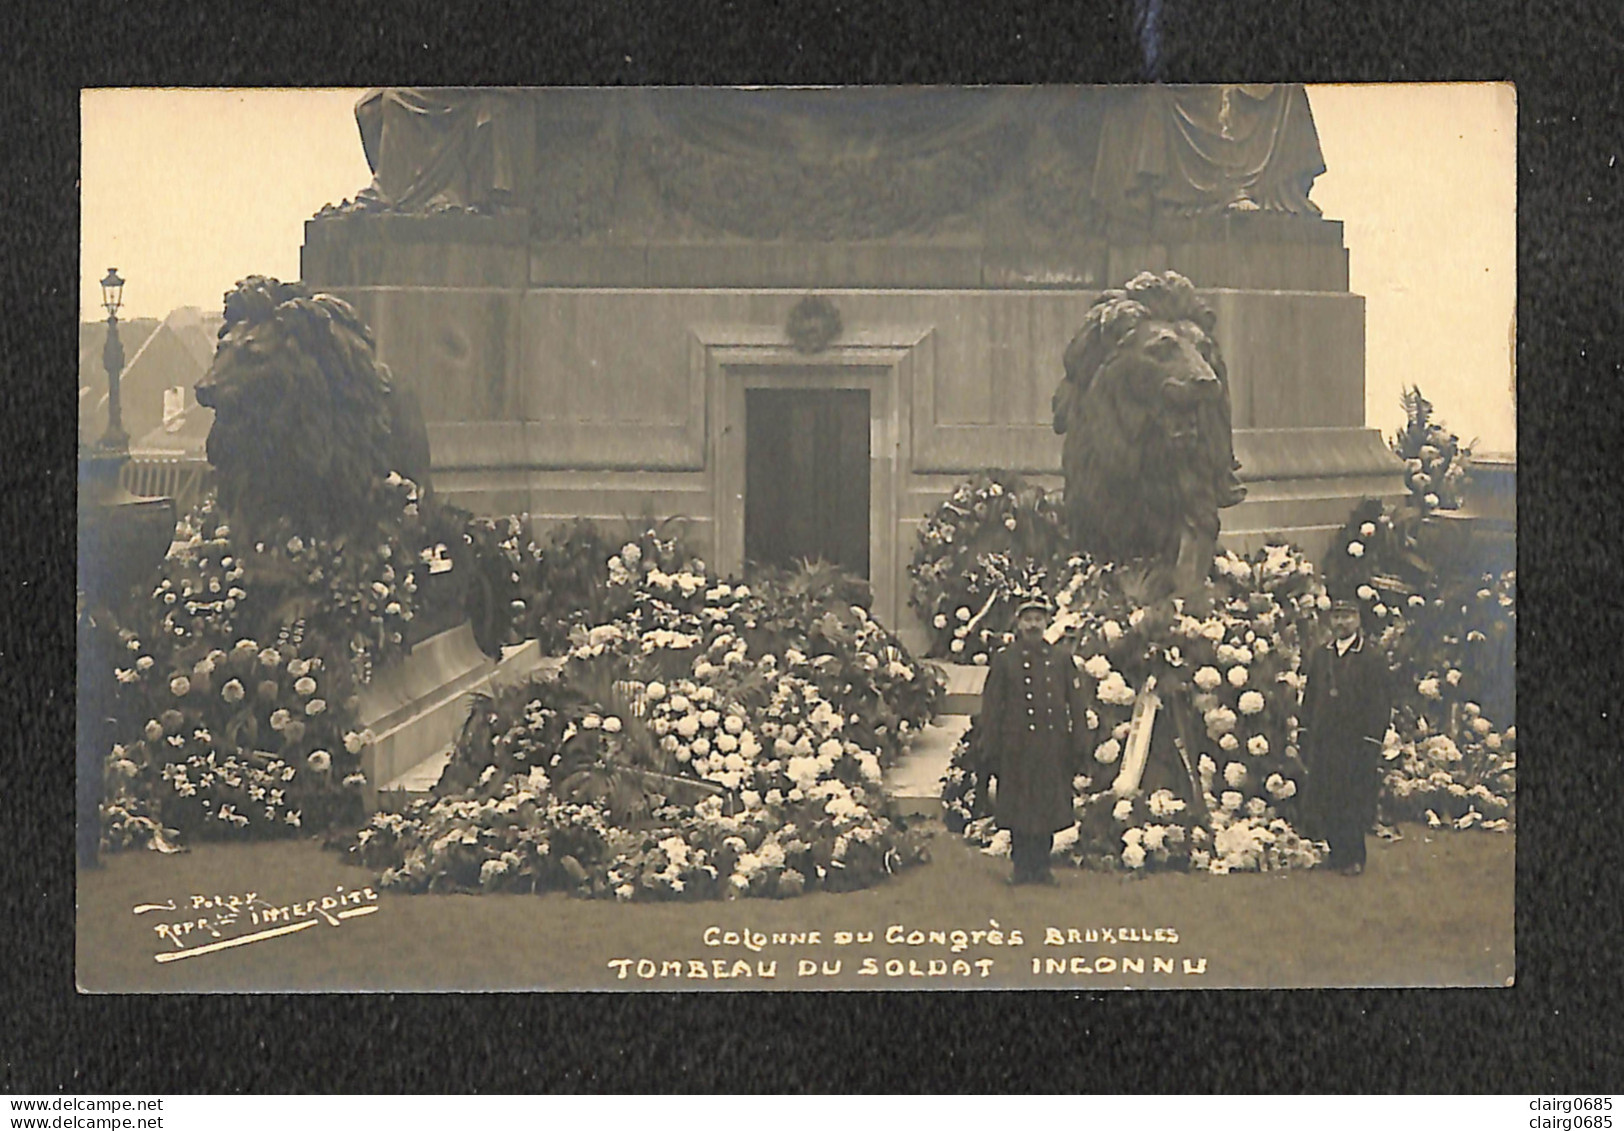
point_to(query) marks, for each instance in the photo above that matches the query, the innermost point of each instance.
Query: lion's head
(1144, 407)
(305, 418)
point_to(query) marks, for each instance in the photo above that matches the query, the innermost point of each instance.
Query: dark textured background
(1556, 1030)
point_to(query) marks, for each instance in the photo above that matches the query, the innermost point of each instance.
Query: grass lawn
(1433, 909)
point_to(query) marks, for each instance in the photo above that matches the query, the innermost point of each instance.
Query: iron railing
(186, 480)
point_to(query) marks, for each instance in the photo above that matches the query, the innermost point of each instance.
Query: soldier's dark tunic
(1031, 696)
(1346, 706)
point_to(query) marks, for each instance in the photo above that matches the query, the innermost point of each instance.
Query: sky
(187, 191)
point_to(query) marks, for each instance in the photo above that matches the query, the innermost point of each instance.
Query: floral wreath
(813, 323)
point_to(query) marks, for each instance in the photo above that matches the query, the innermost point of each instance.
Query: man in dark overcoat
(1346, 706)
(1029, 703)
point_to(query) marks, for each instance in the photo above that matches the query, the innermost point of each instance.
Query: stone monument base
(416, 707)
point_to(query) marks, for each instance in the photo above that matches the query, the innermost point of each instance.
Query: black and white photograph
(781, 538)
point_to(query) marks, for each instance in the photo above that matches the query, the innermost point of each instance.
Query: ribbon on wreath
(1145, 706)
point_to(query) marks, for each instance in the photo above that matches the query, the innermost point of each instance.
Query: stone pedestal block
(416, 707)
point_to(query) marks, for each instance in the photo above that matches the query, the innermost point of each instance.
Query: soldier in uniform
(1032, 695)
(1346, 706)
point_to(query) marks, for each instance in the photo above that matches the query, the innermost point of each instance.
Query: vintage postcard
(775, 539)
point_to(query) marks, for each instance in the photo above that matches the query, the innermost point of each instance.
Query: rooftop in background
(162, 357)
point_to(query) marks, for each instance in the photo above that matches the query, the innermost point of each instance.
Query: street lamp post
(115, 439)
(122, 538)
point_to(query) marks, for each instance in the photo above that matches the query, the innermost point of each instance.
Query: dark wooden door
(806, 477)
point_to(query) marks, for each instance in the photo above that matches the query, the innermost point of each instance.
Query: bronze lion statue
(1144, 407)
(306, 421)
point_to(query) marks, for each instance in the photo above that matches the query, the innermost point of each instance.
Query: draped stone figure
(1197, 150)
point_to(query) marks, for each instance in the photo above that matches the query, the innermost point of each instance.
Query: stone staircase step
(964, 683)
(428, 726)
(918, 774)
(418, 781)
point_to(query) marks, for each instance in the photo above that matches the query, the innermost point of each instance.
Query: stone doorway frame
(880, 360)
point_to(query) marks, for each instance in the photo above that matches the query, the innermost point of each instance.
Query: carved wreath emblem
(813, 324)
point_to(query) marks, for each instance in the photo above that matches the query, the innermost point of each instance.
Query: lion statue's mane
(1144, 407)
(306, 420)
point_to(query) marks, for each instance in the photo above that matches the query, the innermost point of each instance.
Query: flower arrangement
(569, 578)
(1435, 461)
(1451, 757)
(990, 544)
(1463, 781)
(681, 793)
(237, 708)
(743, 638)
(361, 597)
(1234, 675)
(238, 743)
(1451, 643)
(712, 740)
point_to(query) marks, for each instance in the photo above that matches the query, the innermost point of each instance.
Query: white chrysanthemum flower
(1228, 743)
(1237, 676)
(1356, 549)
(1123, 810)
(1257, 746)
(1164, 804)
(1220, 721)
(1234, 774)
(612, 724)
(1429, 688)
(1231, 801)
(654, 692)
(1112, 689)
(1251, 702)
(1097, 666)
(591, 722)
(1111, 631)
(1108, 751)
(1207, 678)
